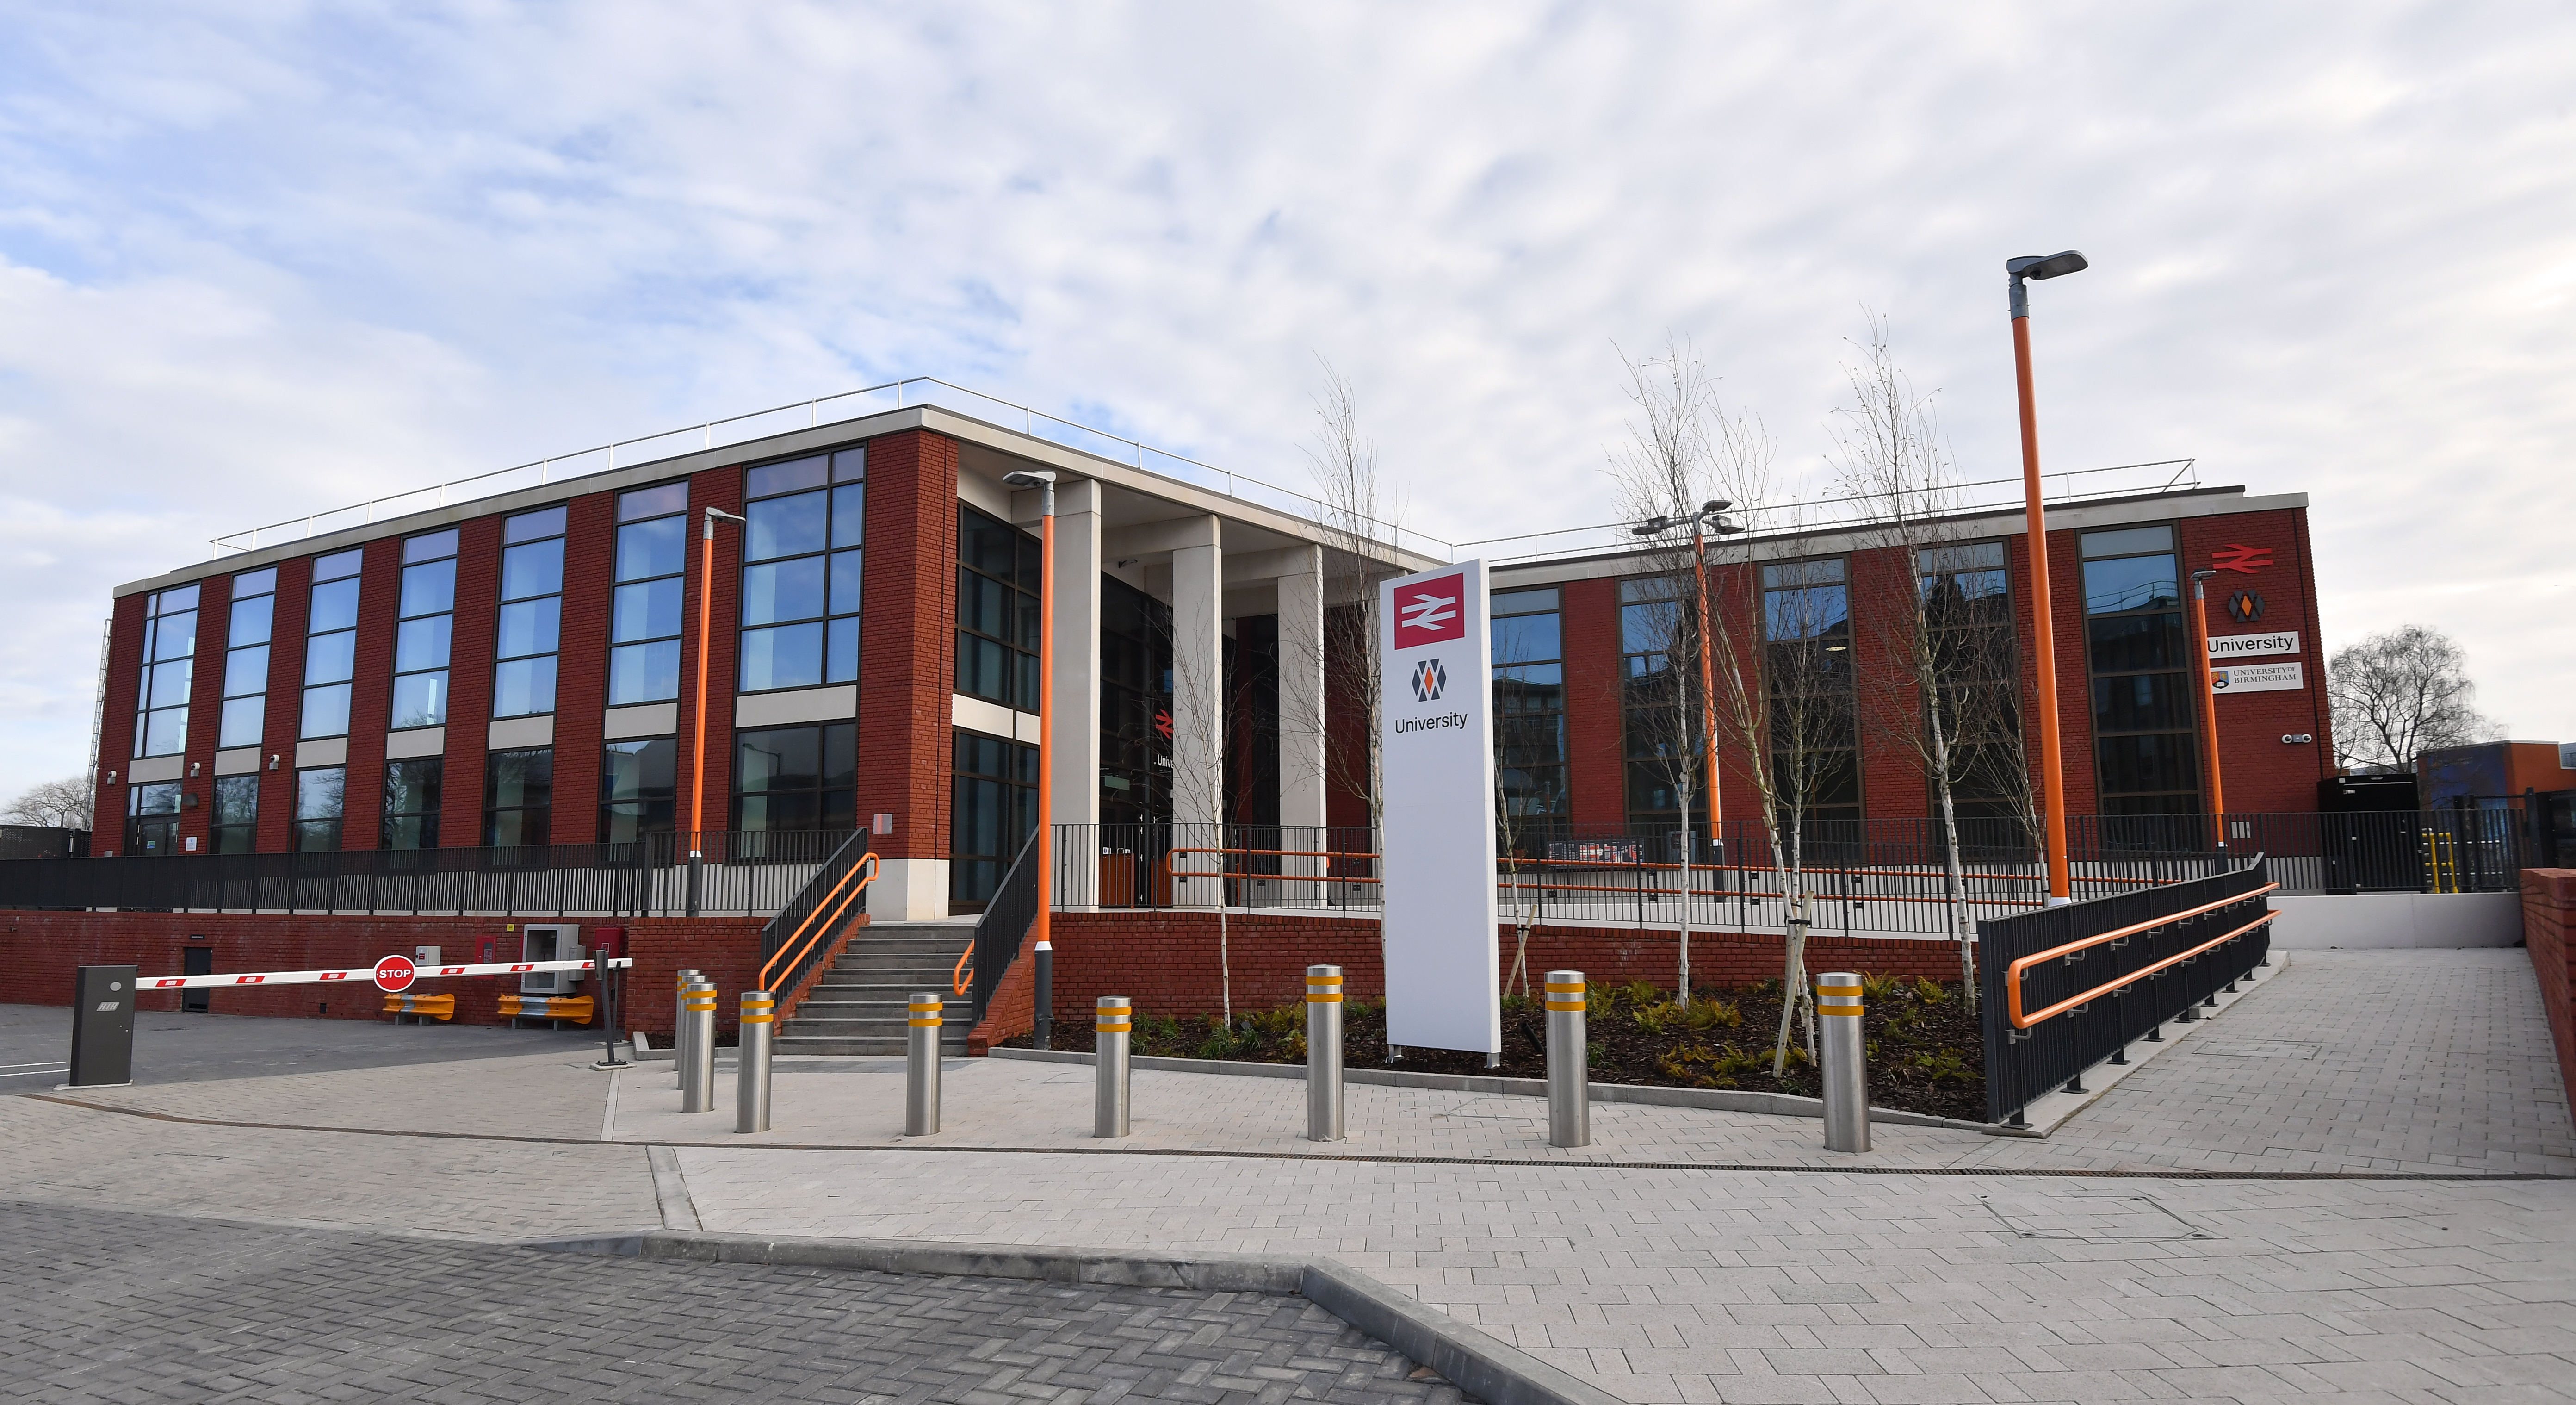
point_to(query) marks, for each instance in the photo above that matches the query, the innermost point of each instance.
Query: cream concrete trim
(416, 741)
(1152, 538)
(241, 760)
(1249, 567)
(641, 720)
(513, 733)
(909, 890)
(1972, 526)
(992, 719)
(834, 704)
(986, 495)
(1046, 453)
(155, 768)
(329, 751)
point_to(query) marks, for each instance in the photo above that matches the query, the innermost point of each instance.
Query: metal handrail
(865, 870)
(2013, 973)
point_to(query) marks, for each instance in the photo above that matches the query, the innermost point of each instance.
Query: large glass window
(994, 808)
(800, 574)
(644, 618)
(152, 820)
(1529, 703)
(426, 635)
(411, 803)
(1968, 618)
(246, 643)
(1135, 705)
(1806, 614)
(330, 652)
(796, 778)
(2140, 656)
(1658, 673)
(997, 611)
(530, 628)
(236, 821)
(169, 666)
(318, 794)
(518, 797)
(637, 789)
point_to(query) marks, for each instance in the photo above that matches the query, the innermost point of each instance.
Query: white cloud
(270, 260)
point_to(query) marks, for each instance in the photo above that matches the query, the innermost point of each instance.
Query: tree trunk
(1954, 879)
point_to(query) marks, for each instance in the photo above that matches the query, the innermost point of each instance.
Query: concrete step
(861, 1044)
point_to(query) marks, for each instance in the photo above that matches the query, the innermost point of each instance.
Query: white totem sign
(1443, 984)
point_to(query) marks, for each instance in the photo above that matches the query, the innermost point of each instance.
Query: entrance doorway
(196, 961)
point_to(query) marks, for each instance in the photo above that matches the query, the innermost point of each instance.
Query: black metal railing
(1004, 925)
(2059, 999)
(811, 920)
(34, 841)
(746, 873)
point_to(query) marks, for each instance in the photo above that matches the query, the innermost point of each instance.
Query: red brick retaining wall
(1169, 962)
(2548, 912)
(38, 951)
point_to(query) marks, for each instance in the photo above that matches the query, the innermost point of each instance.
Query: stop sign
(394, 973)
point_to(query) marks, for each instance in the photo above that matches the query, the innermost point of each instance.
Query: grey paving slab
(176, 1047)
(109, 1305)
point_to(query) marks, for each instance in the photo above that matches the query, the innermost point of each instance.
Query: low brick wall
(1170, 962)
(2548, 914)
(39, 951)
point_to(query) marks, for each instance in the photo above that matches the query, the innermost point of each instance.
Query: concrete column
(1301, 689)
(1198, 681)
(1073, 690)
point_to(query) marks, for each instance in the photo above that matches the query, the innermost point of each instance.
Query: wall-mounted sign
(2245, 606)
(1443, 984)
(2256, 678)
(2254, 646)
(2236, 556)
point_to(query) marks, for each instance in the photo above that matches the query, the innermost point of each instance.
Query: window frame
(647, 512)
(2181, 734)
(405, 617)
(234, 648)
(529, 662)
(161, 610)
(346, 683)
(841, 483)
(1020, 689)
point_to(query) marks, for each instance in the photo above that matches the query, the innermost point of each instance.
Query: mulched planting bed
(1926, 1050)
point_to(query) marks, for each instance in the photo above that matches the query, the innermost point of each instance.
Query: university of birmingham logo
(1428, 679)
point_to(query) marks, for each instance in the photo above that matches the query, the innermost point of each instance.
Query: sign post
(395, 974)
(1443, 982)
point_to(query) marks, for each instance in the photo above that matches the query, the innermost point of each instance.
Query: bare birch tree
(1359, 517)
(2399, 694)
(1945, 698)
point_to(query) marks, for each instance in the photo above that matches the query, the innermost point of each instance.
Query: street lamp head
(2046, 265)
(1714, 506)
(1030, 478)
(1652, 526)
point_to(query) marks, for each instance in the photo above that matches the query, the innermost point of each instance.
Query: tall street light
(2043, 623)
(2208, 700)
(1044, 481)
(698, 762)
(1711, 517)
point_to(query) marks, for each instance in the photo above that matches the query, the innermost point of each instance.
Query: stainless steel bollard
(1844, 1066)
(1323, 1053)
(751, 1081)
(680, 1028)
(1569, 1055)
(1113, 1019)
(698, 1068)
(921, 1065)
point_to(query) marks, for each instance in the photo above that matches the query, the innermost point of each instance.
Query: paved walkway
(143, 1308)
(2016, 1273)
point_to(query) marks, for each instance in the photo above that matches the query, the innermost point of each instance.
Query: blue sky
(259, 259)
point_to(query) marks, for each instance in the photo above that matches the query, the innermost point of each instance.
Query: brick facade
(2549, 931)
(910, 579)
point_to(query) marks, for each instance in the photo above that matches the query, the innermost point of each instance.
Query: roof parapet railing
(906, 393)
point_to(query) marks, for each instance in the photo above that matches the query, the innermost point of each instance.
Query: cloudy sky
(264, 258)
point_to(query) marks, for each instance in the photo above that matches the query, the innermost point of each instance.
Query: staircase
(858, 1006)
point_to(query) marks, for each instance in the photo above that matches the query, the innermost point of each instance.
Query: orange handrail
(957, 978)
(2013, 973)
(865, 870)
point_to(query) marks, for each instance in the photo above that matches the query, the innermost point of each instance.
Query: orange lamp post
(2208, 701)
(2052, 769)
(698, 761)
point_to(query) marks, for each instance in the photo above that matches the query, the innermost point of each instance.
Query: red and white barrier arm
(368, 974)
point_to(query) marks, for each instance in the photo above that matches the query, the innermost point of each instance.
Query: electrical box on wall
(549, 941)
